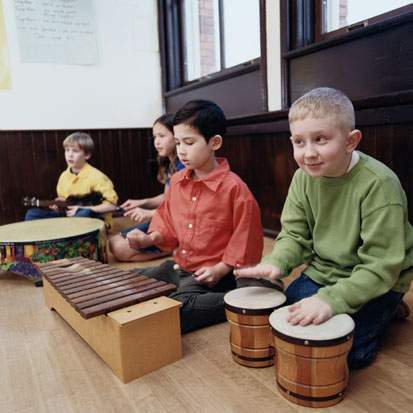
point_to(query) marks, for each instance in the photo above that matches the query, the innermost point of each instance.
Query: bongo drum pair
(22, 244)
(310, 362)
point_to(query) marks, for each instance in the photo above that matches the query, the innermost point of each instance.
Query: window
(340, 16)
(211, 49)
(218, 34)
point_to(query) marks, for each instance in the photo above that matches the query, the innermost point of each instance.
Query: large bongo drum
(311, 361)
(22, 244)
(247, 310)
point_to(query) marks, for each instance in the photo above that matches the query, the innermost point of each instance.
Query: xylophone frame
(132, 341)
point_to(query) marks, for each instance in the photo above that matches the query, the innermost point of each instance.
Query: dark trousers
(39, 213)
(201, 306)
(371, 320)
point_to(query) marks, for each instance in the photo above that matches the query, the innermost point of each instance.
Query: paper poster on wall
(5, 77)
(56, 31)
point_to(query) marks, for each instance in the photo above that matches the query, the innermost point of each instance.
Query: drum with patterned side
(23, 244)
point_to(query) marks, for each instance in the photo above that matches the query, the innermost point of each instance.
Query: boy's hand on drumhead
(268, 271)
(310, 310)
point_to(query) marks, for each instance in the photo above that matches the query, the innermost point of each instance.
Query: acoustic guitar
(94, 198)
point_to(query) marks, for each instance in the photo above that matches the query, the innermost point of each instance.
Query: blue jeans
(142, 227)
(39, 213)
(371, 320)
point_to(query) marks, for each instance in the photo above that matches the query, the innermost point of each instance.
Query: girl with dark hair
(142, 210)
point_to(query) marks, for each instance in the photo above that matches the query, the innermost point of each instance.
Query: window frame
(305, 61)
(319, 36)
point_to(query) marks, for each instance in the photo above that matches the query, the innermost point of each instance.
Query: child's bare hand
(310, 310)
(132, 203)
(55, 207)
(138, 239)
(71, 210)
(138, 214)
(208, 276)
(268, 271)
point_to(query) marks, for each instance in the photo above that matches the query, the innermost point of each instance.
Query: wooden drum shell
(250, 334)
(251, 340)
(312, 373)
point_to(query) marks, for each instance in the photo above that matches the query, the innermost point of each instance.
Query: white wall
(273, 55)
(123, 90)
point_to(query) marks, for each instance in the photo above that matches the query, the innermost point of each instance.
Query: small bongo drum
(43, 240)
(248, 311)
(311, 362)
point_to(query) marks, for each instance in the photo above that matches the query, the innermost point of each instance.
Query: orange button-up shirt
(210, 220)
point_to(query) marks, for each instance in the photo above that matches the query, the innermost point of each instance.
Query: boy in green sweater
(346, 217)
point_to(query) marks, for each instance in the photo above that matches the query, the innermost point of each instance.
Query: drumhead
(48, 229)
(253, 300)
(335, 328)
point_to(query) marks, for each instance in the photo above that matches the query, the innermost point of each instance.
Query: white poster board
(56, 31)
(122, 89)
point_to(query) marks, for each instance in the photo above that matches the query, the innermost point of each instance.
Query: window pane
(241, 31)
(201, 38)
(341, 13)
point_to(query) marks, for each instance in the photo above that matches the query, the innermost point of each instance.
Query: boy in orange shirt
(209, 218)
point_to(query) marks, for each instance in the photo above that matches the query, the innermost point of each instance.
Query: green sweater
(353, 232)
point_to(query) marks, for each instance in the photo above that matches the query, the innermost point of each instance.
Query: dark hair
(205, 116)
(165, 167)
(166, 120)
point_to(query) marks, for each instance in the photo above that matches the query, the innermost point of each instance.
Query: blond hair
(81, 139)
(323, 102)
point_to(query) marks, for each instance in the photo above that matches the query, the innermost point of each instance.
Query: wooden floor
(46, 367)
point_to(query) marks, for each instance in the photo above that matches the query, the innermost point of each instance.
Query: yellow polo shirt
(88, 180)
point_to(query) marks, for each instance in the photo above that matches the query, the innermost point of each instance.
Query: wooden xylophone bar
(93, 288)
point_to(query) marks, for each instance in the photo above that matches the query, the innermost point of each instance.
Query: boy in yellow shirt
(79, 180)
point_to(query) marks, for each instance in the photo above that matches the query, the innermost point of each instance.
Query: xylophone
(123, 316)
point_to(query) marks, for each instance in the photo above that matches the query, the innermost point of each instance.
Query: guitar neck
(43, 203)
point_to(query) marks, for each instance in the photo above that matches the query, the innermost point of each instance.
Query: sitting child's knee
(85, 213)
(31, 214)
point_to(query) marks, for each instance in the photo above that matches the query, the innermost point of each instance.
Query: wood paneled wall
(258, 149)
(31, 162)
(265, 162)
